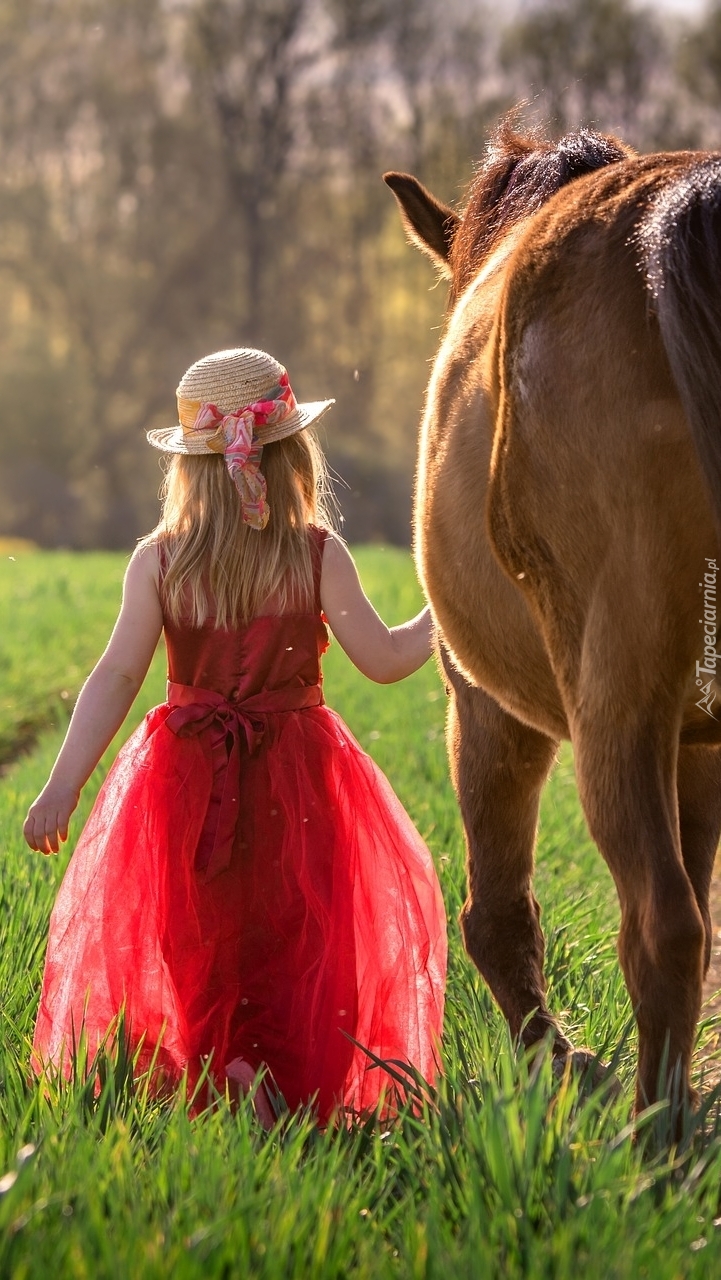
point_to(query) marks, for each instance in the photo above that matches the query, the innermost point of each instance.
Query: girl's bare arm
(384, 654)
(104, 702)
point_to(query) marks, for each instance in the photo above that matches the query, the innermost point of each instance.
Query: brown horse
(567, 535)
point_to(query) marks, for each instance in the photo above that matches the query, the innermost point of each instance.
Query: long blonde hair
(214, 564)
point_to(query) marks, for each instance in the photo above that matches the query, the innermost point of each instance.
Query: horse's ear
(429, 224)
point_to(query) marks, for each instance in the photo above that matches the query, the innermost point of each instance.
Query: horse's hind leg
(499, 767)
(699, 807)
(626, 764)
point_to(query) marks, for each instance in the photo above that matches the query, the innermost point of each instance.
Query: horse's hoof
(592, 1073)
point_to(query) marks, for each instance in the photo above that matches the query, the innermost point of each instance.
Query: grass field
(506, 1172)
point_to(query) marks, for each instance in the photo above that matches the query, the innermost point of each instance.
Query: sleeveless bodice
(272, 652)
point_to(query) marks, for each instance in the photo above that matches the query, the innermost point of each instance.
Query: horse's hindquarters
(597, 497)
(486, 624)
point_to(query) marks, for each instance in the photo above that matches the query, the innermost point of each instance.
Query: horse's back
(553, 391)
(596, 494)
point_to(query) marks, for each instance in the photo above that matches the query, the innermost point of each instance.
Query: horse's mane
(519, 174)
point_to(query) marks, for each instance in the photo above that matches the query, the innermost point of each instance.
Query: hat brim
(177, 440)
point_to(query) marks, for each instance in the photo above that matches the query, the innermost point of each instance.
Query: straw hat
(240, 379)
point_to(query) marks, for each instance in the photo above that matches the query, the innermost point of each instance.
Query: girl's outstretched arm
(382, 653)
(104, 702)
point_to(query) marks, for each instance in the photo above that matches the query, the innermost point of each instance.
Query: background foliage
(183, 175)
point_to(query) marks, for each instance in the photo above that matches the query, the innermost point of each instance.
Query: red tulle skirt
(327, 927)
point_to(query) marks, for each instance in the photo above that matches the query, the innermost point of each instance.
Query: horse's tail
(681, 238)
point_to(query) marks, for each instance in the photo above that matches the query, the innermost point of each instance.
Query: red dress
(248, 885)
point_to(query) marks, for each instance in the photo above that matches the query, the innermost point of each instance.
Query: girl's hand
(46, 825)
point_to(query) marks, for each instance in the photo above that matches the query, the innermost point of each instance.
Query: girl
(247, 887)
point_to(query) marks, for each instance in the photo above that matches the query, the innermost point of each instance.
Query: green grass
(57, 612)
(507, 1172)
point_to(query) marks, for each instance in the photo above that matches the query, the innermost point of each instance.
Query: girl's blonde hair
(214, 564)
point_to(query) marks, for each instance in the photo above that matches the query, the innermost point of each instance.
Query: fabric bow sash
(231, 725)
(235, 435)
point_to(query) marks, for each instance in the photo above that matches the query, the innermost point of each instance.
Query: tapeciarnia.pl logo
(710, 656)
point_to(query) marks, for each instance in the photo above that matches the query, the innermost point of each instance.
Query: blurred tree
(591, 60)
(101, 227)
(183, 175)
(156, 180)
(249, 59)
(396, 95)
(699, 69)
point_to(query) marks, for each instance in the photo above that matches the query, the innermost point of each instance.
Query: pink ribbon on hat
(235, 435)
